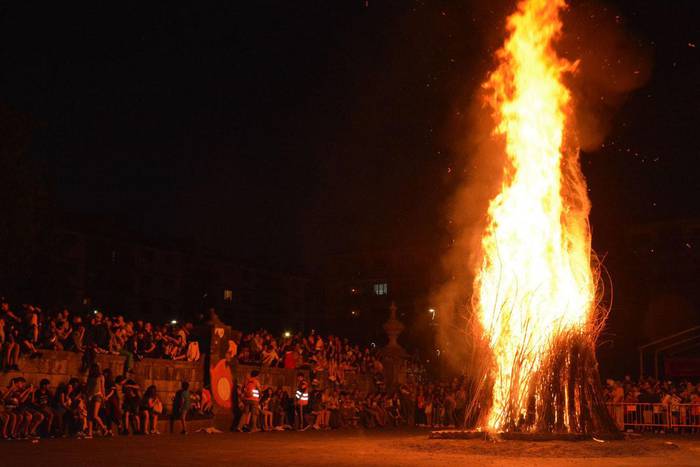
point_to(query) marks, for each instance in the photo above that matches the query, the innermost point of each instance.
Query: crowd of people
(102, 404)
(331, 355)
(28, 330)
(109, 405)
(328, 399)
(311, 406)
(332, 399)
(650, 404)
(652, 391)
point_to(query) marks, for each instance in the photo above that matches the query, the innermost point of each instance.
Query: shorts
(131, 407)
(251, 406)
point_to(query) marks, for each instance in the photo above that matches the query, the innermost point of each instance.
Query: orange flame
(536, 280)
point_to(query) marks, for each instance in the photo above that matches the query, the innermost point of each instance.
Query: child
(80, 413)
(265, 406)
(181, 405)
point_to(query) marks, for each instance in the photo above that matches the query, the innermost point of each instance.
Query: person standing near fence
(618, 396)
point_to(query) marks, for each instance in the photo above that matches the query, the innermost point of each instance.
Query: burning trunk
(535, 291)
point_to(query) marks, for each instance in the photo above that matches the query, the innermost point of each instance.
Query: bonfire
(537, 290)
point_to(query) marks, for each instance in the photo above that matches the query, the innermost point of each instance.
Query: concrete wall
(275, 377)
(59, 367)
(272, 377)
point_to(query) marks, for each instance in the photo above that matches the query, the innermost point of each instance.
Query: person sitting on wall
(269, 356)
(78, 335)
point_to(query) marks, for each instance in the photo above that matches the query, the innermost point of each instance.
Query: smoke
(612, 63)
(478, 169)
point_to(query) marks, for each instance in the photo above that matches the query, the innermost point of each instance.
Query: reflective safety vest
(251, 390)
(302, 394)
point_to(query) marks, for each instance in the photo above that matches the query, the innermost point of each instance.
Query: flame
(536, 280)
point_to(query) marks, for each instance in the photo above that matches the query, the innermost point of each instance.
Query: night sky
(280, 131)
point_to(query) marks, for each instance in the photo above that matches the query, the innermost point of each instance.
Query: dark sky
(278, 130)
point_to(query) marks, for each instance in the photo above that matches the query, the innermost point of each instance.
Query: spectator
(251, 400)
(10, 347)
(79, 413)
(113, 399)
(181, 406)
(266, 409)
(23, 394)
(269, 356)
(62, 405)
(151, 408)
(132, 402)
(42, 402)
(95, 391)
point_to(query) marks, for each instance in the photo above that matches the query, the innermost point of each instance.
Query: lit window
(381, 289)
(228, 295)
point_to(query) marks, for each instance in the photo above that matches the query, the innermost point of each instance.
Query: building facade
(170, 281)
(358, 289)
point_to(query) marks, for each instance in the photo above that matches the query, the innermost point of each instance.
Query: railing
(655, 416)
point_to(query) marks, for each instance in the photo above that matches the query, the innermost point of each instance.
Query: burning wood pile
(537, 292)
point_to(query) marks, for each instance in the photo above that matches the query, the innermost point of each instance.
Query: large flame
(536, 280)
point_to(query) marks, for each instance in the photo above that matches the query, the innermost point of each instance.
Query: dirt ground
(398, 447)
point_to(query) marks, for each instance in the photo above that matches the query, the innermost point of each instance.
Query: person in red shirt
(251, 402)
(290, 358)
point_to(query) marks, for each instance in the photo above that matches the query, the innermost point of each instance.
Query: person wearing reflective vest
(251, 402)
(301, 400)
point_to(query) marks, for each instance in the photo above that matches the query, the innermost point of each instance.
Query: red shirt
(290, 360)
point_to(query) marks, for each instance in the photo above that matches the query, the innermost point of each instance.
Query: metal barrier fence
(647, 416)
